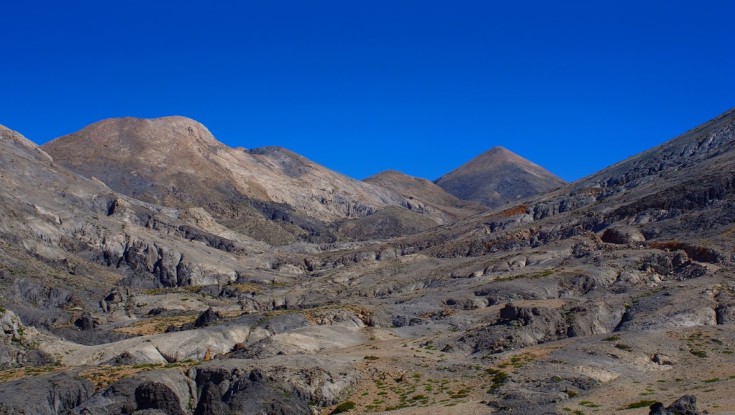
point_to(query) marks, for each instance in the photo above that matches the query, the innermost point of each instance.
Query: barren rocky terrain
(146, 268)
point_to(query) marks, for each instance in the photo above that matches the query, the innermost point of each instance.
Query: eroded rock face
(517, 327)
(18, 343)
(164, 391)
(157, 396)
(660, 310)
(231, 393)
(220, 388)
(50, 394)
(593, 318)
(85, 322)
(725, 313)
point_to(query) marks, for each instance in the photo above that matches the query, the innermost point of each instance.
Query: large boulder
(686, 405)
(156, 395)
(623, 235)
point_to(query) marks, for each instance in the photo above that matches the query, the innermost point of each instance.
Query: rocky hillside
(270, 194)
(614, 294)
(497, 178)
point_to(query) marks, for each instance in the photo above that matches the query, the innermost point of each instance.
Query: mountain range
(147, 268)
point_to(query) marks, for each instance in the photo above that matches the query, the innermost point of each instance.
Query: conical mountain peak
(498, 176)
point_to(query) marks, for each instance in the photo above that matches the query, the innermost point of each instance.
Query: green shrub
(499, 378)
(639, 404)
(344, 407)
(699, 353)
(625, 347)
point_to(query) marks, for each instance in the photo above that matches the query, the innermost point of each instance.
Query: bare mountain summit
(497, 177)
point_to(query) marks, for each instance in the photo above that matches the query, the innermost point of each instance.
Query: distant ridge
(497, 177)
(425, 192)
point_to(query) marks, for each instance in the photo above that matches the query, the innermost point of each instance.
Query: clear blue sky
(363, 86)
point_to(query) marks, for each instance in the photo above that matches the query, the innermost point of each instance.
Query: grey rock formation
(166, 391)
(44, 395)
(233, 393)
(18, 345)
(157, 396)
(686, 405)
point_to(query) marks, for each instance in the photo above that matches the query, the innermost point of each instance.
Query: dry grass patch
(417, 383)
(104, 376)
(156, 325)
(22, 372)
(231, 313)
(518, 361)
(246, 287)
(188, 289)
(515, 210)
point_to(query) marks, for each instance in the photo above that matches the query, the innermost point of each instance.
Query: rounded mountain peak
(167, 146)
(141, 133)
(389, 174)
(499, 150)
